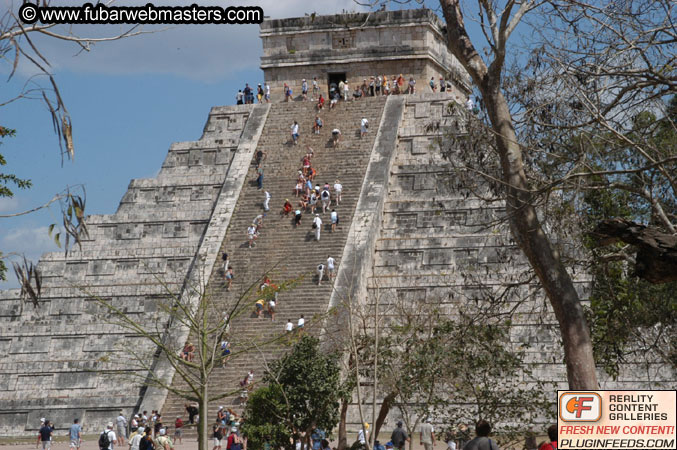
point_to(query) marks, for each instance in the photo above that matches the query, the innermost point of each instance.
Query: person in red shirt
(320, 102)
(552, 435)
(286, 209)
(178, 429)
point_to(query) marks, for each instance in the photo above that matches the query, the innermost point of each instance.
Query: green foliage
(432, 360)
(627, 314)
(266, 418)
(10, 179)
(303, 387)
(487, 372)
(6, 180)
(3, 268)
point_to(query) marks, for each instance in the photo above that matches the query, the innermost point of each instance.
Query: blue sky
(129, 100)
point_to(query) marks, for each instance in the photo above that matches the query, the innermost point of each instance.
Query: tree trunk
(529, 234)
(383, 412)
(203, 422)
(342, 438)
(524, 223)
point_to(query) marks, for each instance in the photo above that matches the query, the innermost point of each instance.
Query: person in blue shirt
(317, 435)
(74, 434)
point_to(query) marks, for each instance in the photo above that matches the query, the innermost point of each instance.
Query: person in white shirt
(320, 274)
(330, 267)
(266, 201)
(111, 436)
(361, 434)
(295, 132)
(251, 235)
(364, 126)
(316, 89)
(346, 91)
(334, 220)
(301, 322)
(317, 225)
(338, 189)
(289, 327)
(469, 105)
(134, 443)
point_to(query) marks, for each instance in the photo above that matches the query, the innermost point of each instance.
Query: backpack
(104, 440)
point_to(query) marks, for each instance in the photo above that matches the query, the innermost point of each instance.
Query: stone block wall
(433, 232)
(51, 356)
(410, 42)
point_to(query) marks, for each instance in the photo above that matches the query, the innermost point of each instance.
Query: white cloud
(8, 204)
(16, 243)
(28, 240)
(200, 52)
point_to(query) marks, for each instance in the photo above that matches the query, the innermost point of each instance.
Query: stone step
(279, 240)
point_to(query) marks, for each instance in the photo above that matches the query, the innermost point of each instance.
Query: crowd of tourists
(370, 87)
(148, 432)
(141, 432)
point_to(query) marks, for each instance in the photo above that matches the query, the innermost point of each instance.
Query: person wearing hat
(112, 438)
(162, 442)
(399, 437)
(234, 440)
(427, 435)
(134, 424)
(44, 435)
(135, 439)
(259, 93)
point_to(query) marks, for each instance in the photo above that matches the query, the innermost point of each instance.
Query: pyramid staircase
(288, 252)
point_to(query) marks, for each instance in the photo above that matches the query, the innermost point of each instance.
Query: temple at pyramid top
(353, 47)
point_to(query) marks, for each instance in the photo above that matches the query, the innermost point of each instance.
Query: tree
(18, 47)
(7, 180)
(430, 358)
(488, 374)
(194, 316)
(522, 215)
(303, 388)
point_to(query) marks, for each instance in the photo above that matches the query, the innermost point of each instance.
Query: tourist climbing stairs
(285, 252)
